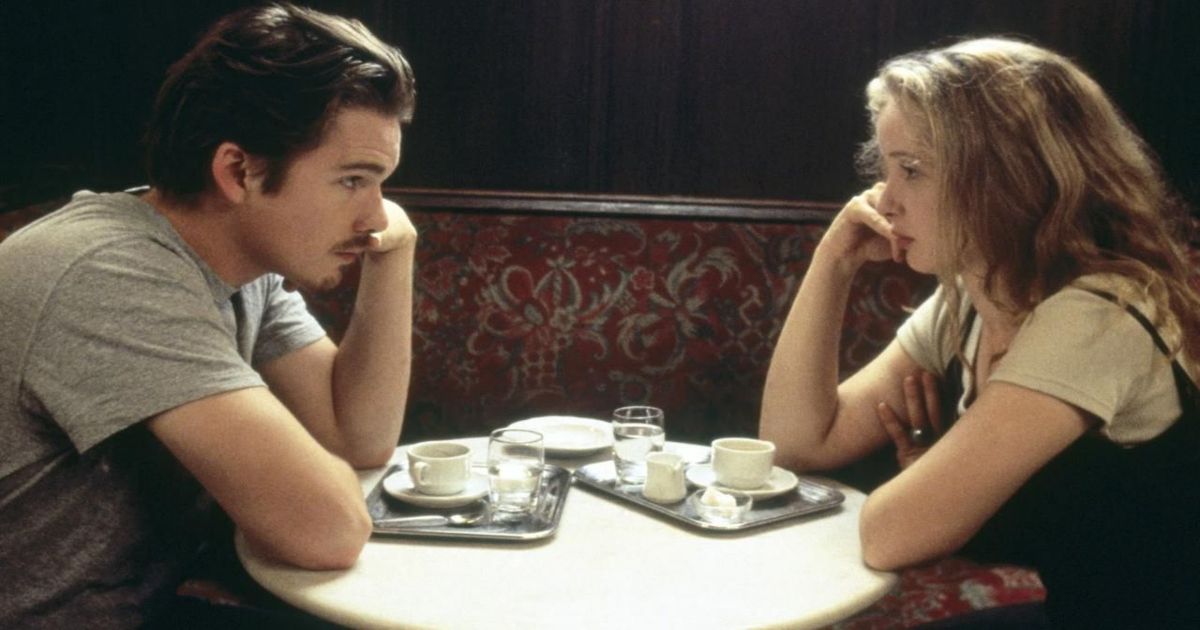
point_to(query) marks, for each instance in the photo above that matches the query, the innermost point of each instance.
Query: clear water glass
(637, 431)
(515, 461)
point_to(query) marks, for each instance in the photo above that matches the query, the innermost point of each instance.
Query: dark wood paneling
(505, 94)
(725, 98)
(711, 98)
(77, 80)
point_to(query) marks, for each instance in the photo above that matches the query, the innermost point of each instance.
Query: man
(153, 358)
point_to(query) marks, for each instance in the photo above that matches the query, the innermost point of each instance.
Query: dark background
(718, 98)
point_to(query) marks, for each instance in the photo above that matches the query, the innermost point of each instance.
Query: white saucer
(400, 485)
(569, 436)
(780, 481)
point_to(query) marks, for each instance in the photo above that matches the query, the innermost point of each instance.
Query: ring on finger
(918, 436)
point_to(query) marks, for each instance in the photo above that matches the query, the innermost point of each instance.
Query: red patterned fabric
(946, 589)
(526, 315)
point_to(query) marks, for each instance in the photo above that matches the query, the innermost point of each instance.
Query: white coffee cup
(664, 478)
(742, 463)
(439, 468)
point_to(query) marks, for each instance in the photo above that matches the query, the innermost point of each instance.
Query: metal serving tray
(540, 523)
(809, 497)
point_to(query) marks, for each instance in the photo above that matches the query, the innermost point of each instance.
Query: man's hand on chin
(399, 232)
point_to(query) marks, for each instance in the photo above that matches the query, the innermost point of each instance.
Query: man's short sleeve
(130, 332)
(286, 323)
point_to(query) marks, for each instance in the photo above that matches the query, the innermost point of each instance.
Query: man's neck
(210, 230)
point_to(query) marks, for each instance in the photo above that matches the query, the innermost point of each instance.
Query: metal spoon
(464, 519)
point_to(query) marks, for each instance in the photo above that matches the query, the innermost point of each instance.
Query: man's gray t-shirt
(108, 318)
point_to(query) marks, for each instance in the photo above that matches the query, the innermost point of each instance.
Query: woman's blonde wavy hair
(1041, 178)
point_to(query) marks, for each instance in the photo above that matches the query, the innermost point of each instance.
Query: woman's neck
(995, 316)
(998, 327)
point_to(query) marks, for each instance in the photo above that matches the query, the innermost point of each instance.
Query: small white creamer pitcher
(664, 478)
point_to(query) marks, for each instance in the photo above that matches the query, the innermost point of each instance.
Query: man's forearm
(371, 371)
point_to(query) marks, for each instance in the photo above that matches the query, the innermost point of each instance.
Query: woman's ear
(234, 172)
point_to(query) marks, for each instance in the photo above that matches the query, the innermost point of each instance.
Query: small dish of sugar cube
(721, 506)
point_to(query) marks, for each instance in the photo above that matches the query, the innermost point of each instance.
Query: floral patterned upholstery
(946, 589)
(519, 315)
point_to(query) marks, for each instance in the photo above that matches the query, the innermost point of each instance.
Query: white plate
(780, 481)
(691, 453)
(399, 484)
(569, 436)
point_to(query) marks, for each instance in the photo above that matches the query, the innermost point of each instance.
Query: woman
(1007, 173)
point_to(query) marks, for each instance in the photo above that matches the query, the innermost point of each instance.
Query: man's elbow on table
(341, 551)
(328, 546)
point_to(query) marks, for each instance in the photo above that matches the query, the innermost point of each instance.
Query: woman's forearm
(800, 397)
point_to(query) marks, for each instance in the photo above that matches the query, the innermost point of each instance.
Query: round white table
(610, 564)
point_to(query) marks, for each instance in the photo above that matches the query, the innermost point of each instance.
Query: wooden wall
(724, 98)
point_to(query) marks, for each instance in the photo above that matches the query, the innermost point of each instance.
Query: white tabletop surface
(609, 565)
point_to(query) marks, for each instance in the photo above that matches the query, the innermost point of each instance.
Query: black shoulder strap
(1189, 393)
(951, 388)
(968, 322)
(1141, 319)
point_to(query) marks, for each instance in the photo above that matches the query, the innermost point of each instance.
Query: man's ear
(235, 172)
